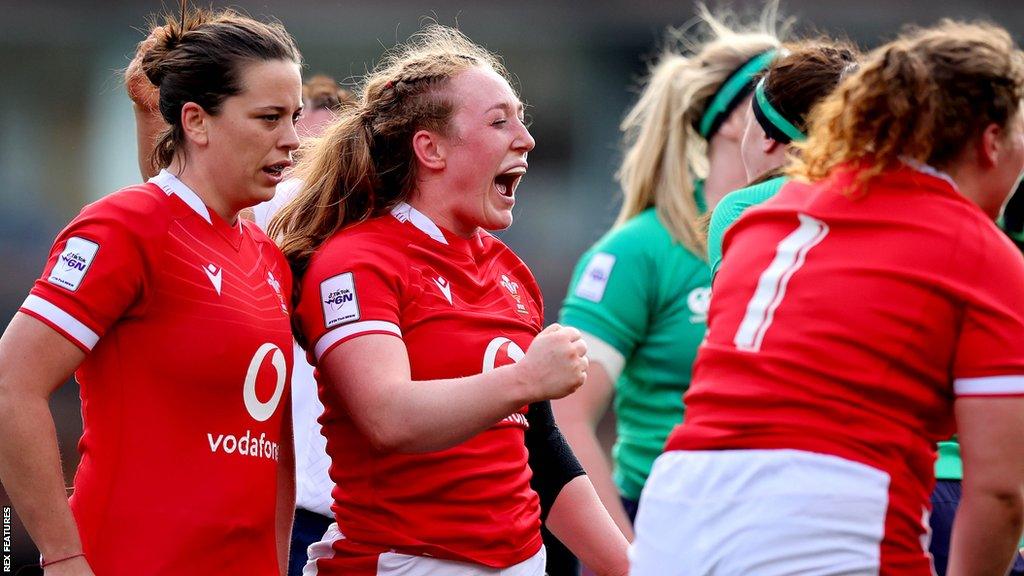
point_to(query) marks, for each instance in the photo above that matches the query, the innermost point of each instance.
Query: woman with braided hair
(173, 314)
(862, 314)
(426, 331)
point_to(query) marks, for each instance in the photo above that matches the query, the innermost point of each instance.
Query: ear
(769, 144)
(736, 123)
(430, 148)
(989, 145)
(195, 123)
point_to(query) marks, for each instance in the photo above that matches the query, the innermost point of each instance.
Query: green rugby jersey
(646, 296)
(732, 206)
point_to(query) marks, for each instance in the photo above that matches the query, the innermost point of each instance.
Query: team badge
(595, 277)
(513, 290)
(699, 301)
(338, 296)
(73, 263)
(276, 285)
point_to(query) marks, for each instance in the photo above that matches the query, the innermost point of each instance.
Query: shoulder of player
(140, 210)
(641, 235)
(737, 201)
(370, 241)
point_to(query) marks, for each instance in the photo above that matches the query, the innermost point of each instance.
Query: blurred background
(67, 130)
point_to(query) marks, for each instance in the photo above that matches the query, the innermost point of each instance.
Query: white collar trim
(929, 170)
(170, 184)
(406, 213)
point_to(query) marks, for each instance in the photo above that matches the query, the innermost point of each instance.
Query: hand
(142, 92)
(556, 363)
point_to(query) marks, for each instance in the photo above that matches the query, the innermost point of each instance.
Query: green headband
(766, 113)
(728, 96)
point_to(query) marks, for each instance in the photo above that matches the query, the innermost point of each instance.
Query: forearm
(285, 494)
(580, 521)
(985, 533)
(591, 454)
(426, 416)
(31, 473)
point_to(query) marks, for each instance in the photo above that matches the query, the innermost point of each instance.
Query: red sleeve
(990, 349)
(353, 287)
(94, 274)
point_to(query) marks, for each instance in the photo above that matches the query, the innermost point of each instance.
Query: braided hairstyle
(364, 165)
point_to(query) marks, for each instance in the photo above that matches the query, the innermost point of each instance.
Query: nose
(290, 139)
(524, 141)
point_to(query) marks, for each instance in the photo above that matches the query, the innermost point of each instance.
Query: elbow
(1007, 496)
(388, 438)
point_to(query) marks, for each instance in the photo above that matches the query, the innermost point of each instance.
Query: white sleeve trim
(340, 333)
(989, 385)
(66, 322)
(604, 353)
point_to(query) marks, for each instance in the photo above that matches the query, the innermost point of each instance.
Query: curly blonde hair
(921, 97)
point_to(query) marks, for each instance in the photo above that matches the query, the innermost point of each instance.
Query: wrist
(62, 559)
(523, 386)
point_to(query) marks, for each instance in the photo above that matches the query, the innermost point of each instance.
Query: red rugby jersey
(461, 307)
(185, 324)
(847, 325)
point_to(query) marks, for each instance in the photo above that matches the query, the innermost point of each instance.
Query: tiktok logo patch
(73, 263)
(338, 295)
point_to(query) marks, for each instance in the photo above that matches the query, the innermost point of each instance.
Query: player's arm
(578, 416)
(991, 514)
(149, 124)
(285, 488)
(34, 361)
(371, 375)
(569, 505)
(579, 521)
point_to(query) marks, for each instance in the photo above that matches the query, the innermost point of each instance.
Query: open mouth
(506, 183)
(276, 170)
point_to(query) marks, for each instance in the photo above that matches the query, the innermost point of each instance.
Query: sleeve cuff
(66, 324)
(343, 333)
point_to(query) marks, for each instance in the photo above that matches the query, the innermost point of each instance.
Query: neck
(725, 170)
(433, 206)
(970, 185)
(199, 182)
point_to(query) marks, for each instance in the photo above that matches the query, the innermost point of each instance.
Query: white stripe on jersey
(66, 322)
(989, 385)
(340, 333)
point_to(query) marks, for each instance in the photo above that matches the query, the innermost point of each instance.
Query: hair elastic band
(775, 125)
(46, 563)
(732, 92)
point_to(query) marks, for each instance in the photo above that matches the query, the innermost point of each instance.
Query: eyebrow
(278, 109)
(520, 107)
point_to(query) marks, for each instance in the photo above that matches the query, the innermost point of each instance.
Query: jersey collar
(406, 213)
(929, 170)
(170, 184)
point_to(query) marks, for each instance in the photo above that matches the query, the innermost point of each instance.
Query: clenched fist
(556, 363)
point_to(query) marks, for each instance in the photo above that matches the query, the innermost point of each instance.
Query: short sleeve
(990, 349)
(353, 288)
(610, 292)
(95, 273)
